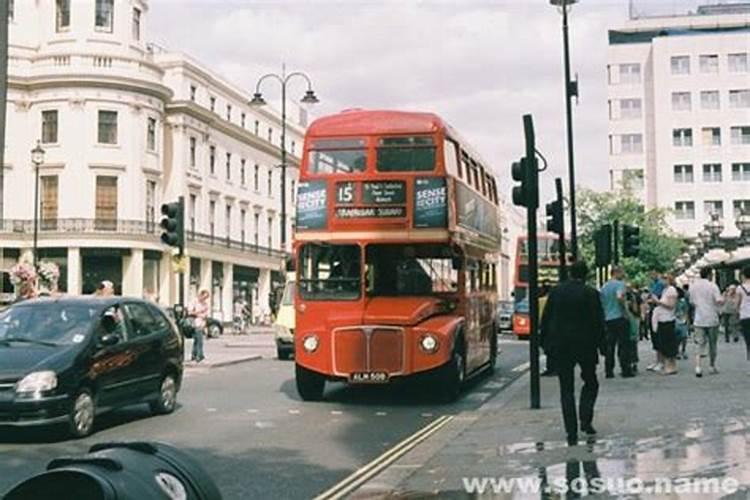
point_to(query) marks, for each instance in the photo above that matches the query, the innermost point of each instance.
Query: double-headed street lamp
(743, 224)
(258, 100)
(714, 228)
(571, 91)
(37, 158)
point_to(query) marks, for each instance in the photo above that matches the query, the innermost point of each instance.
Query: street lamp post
(743, 224)
(37, 158)
(258, 100)
(714, 228)
(571, 90)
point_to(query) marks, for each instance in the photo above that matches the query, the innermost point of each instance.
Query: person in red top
(199, 310)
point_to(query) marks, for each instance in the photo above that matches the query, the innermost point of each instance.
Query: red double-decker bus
(396, 245)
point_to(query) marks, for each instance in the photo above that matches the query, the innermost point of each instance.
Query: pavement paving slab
(693, 433)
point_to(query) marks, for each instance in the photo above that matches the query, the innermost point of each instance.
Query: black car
(66, 360)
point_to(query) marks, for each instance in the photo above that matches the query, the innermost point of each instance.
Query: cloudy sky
(479, 64)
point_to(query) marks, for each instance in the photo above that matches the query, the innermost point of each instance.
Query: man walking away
(573, 334)
(705, 296)
(617, 337)
(744, 293)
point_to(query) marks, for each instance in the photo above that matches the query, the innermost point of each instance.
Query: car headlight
(37, 382)
(429, 343)
(310, 343)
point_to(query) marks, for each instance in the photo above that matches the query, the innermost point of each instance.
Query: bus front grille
(368, 349)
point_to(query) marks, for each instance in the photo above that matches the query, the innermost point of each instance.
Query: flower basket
(49, 275)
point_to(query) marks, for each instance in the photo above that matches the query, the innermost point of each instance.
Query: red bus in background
(396, 245)
(549, 272)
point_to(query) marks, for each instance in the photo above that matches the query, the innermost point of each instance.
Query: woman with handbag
(199, 311)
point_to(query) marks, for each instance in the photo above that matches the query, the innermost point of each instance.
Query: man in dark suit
(572, 333)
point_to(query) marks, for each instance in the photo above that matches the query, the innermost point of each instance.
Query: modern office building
(679, 113)
(125, 127)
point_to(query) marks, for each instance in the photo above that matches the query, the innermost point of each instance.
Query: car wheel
(167, 400)
(310, 385)
(82, 413)
(214, 330)
(454, 374)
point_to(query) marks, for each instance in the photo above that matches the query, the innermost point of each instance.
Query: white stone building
(127, 127)
(679, 113)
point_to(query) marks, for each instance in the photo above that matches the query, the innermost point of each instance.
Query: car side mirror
(109, 340)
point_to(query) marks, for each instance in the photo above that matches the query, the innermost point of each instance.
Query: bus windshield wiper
(24, 340)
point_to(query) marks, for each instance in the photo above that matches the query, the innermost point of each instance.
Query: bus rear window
(406, 154)
(337, 156)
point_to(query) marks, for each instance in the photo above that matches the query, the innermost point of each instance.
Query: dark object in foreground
(122, 471)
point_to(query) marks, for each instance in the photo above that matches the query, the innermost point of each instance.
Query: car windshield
(52, 323)
(418, 270)
(330, 272)
(338, 156)
(406, 154)
(288, 298)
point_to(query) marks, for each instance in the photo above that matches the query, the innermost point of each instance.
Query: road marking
(381, 413)
(375, 467)
(252, 410)
(427, 415)
(264, 425)
(336, 412)
(210, 410)
(521, 367)
(294, 412)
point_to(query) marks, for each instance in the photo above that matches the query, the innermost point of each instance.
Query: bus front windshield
(417, 270)
(330, 272)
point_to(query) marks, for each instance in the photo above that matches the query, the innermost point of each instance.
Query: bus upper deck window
(406, 154)
(338, 156)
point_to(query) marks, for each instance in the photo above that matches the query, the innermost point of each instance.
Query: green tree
(659, 246)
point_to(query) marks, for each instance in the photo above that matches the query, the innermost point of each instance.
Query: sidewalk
(651, 428)
(231, 349)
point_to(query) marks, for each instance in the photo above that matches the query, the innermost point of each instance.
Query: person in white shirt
(744, 292)
(707, 299)
(664, 326)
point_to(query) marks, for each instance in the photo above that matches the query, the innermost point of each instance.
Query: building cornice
(87, 80)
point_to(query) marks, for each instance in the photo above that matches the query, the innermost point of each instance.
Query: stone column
(132, 273)
(74, 271)
(228, 291)
(264, 288)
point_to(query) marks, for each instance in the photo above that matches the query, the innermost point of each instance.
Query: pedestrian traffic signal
(603, 245)
(555, 217)
(631, 241)
(526, 194)
(173, 223)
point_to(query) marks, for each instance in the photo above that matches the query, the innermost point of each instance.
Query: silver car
(504, 316)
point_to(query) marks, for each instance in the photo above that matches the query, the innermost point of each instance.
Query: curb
(219, 364)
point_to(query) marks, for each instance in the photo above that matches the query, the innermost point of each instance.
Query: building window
(243, 222)
(212, 217)
(709, 63)
(106, 202)
(683, 174)
(740, 206)
(740, 135)
(270, 182)
(712, 207)
(105, 13)
(213, 103)
(256, 227)
(684, 210)
(710, 99)
(212, 160)
(256, 178)
(631, 143)
(228, 221)
(193, 91)
(712, 172)
(229, 166)
(49, 126)
(136, 23)
(630, 73)
(680, 65)
(150, 205)
(270, 231)
(192, 208)
(739, 98)
(242, 120)
(681, 101)
(293, 190)
(243, 173)
(711, 136)
(738, 63)
(630, 108)
(257, 127)
(107, 127)
(270, 134)
(193, 146)
(48, 206)
(682, 137)
(741, 172)
(151, 134)
(229, 112)
(62, 15)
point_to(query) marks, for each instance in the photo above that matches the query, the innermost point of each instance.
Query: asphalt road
(247, 426)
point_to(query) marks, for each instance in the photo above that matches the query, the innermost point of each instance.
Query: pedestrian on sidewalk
(618, 329)
(664, 325)
(730, 313)
(199, 310)
(655, 291)
(633, 315)
(573, 333)
(705, 296)
(682, 320)
(744, 293)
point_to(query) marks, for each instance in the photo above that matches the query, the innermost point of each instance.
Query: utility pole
(562, 243)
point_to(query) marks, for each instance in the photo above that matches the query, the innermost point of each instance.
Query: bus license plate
(369, 378)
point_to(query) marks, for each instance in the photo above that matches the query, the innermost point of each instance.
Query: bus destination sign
(311, 205)
(384, 193)
(370, 212)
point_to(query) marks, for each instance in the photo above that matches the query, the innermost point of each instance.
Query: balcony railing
(130, 227)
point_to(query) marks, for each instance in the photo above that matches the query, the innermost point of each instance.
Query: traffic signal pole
(181, 253)
(615, 242)
(532, 177)
(562, 244)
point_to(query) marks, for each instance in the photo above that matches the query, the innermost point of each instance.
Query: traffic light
(555, 217)
(603, 246)
(631, 241)
(173, 223)
(526, 194)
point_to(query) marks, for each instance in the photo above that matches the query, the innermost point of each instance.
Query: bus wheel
(310, 385)
(454, 374)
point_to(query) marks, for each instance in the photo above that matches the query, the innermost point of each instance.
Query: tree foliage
(659, 246)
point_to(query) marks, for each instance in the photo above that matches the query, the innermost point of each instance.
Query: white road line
(521, 367)
(252, 410)
(336, 412)
(426, 415)
(294, 412)
(381, 413)
(211, 410)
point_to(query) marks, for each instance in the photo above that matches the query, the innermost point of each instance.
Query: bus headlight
(429, 343)
(310, 343)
